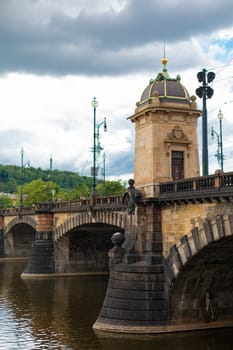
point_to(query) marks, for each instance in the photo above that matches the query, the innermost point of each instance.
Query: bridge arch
(27, 220)
(199, 273)
(19, 234)
(111, 218)
(82, 242)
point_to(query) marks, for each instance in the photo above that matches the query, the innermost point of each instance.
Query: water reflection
(210, 340)
(53, 313)
(58, 313)
(65, 308)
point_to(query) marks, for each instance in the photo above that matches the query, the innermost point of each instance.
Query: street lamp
(104, 169)
(220, 117)
(94, 104)
(96, 144)
(205, 92)
(22, 176)
(219, 155)
(99, 148)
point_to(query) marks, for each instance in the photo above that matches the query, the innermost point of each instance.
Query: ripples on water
(58, 313)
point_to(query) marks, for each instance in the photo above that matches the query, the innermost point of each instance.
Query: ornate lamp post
(94, 104)
(22, 176)
(104, 161)
(96, 144)
(220, 117)
(219, 155)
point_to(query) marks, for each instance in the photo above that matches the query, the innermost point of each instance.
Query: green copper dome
(165, 88)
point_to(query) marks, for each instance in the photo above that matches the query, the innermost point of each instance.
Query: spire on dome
(164, 59)
(164, 74)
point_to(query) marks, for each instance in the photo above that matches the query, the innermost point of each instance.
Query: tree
(5, 201)
(74, 194)
(110, 188)
(37, 191)
(11, 185)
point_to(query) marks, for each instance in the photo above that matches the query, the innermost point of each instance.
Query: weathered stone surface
(42, 260)
(136, 295)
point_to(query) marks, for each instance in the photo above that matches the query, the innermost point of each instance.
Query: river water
(58, 313)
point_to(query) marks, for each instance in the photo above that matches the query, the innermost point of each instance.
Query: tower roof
(164, 87)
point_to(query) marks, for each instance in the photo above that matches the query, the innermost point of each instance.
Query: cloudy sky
(56, 55)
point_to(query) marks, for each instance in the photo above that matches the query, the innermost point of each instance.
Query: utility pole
(220, 118)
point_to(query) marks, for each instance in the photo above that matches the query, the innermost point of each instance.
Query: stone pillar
(136, 297)
(42, 258)
(153, 242)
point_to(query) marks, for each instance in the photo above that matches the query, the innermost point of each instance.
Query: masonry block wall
(42, 256)
(178, 220)
(45, 226)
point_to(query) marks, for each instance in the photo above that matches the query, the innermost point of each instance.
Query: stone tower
(166, 146)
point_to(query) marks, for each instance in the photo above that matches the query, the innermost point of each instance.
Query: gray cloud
(86, 37)
(116, 165)
(51, 40)
(10, 145)
(120, 163)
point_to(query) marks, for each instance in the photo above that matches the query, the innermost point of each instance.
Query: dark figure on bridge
(130, 196)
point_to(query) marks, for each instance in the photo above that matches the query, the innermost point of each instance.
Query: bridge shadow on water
(198, 340)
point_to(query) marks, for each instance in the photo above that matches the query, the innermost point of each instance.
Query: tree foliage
(39, 185)
(37, 191)
(5, 201)
(110, 188)
(12, 176)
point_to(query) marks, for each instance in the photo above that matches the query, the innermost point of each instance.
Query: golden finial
(164, 59)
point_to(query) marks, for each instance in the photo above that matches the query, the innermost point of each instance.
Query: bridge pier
(41, 261)
(136, 297)
(135, 300)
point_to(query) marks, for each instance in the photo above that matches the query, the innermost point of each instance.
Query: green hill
(68, 185)
(11, 177)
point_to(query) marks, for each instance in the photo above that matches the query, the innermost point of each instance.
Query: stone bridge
(65, 237)
(170, 256)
